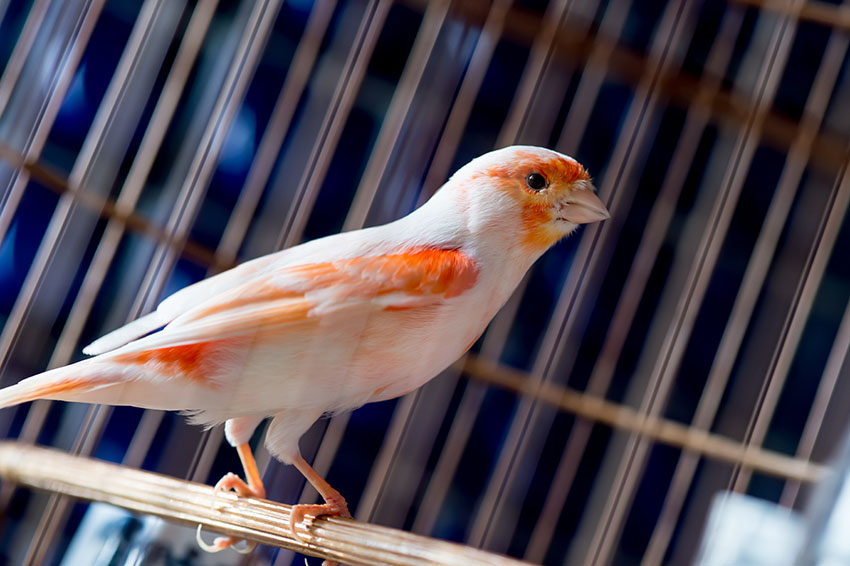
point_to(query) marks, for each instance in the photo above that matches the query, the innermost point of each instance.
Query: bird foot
(333, 506)
(230, 481)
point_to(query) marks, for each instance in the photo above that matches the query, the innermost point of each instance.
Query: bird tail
(76, 382)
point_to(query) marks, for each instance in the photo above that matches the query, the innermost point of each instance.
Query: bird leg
(253, 488)
(334, 505)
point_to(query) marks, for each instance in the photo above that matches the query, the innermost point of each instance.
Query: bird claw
(220, 543)
(205, 546)
(230, 481)
(333, 507)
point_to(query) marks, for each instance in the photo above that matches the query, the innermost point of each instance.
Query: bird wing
(272, 299)
(181, 301)
(306, 292)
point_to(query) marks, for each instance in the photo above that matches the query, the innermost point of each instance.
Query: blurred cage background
(147, 144)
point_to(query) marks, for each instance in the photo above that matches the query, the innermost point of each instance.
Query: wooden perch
(259, 520)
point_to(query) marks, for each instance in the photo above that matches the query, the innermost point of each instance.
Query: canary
(337, 322)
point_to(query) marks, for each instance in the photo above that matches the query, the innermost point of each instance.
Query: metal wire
(406, 427)
(663, 369)
(804, 297)
(398, 112)
(93, 159)
(237, 226)
(745, 301)
(96, 419)
(317, 164)
(837, 357)
(77, 36)
(617, 183)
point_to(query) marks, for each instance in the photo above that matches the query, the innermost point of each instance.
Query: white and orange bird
(334, 323)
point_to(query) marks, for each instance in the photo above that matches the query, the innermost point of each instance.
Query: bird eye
(535, 181)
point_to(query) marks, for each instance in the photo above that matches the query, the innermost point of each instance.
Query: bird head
(531, 195)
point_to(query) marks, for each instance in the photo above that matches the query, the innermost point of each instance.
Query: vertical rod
(509, 482)
(529, 86)
(496, 336)
(835, 362)
(291, 91)
(399, 109)
(388, 137)
(482, 54)
(688, 302)
(635, 284)
(489, 36)
(88, 162)
(342, 101)
(804, 298)
(128, 196)
(82, 29)
(69, 36)
(23, 48)
(244, 63)
(753, 281)
(297, 77)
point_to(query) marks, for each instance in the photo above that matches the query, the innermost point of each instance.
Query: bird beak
(583, 206)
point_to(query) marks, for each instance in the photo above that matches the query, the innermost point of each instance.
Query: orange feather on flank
(58, 388)
(192, 361)
(48, 386)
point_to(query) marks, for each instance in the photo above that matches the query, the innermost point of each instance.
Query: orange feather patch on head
(538, 234)
(559, 169)
(538, 207)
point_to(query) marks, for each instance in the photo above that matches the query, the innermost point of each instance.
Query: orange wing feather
(296, 293)
(192, 361)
